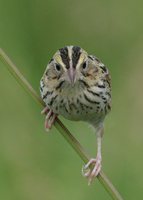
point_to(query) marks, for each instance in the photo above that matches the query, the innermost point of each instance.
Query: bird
(77, 86)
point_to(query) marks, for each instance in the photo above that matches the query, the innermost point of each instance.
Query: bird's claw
(92, 169)
(49, 119)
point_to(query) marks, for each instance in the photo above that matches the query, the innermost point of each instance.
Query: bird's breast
(80, 104)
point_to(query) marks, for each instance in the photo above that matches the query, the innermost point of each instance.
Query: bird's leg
(49, 119)
(45, 110)
(93, 167)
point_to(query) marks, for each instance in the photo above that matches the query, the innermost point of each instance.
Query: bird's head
(72, 65)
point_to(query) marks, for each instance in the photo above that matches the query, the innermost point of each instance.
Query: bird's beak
(71, 74)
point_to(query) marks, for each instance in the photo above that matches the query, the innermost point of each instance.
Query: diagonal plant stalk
(106, 183)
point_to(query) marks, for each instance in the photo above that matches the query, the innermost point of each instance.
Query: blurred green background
(35, 165)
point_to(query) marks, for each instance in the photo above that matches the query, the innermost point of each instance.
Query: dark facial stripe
(100, 86)
(64, 56)
(90, 101)
(84, 83)
(94, 93)
(60, 85)
(75, 55)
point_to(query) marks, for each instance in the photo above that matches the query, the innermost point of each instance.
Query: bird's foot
(92, 169)
(49, 119)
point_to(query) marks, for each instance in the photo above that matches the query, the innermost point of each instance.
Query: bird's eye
(58, 67)
(84, 65)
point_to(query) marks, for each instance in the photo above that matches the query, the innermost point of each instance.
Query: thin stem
(59, 125)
